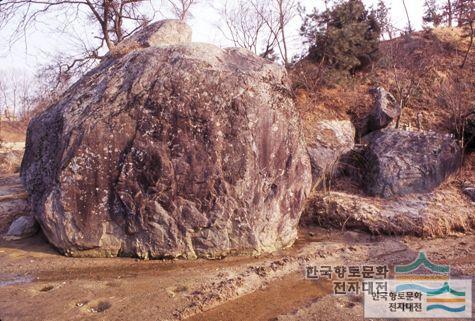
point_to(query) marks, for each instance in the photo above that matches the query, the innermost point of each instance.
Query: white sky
(27, 54)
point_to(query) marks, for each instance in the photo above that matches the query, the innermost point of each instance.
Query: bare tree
(245, 25)
(466, 20)
(258, 25)
(114, 20)
(181, 8)
(286, 11)
(409, 26)
(15, 91)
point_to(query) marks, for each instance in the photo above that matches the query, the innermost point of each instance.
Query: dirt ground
(36, 283)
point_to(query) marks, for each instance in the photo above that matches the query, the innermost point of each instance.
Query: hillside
(425, 67)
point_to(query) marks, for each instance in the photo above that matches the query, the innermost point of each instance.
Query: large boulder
(398, 162)
(173, 150)
(328, 141)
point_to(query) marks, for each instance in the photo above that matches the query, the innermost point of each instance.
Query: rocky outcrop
(329, 140)
(398, 162)
(174, 150)
(22, 227)
(417, 214)
(13, 201)
(385, 110)
(159, 34)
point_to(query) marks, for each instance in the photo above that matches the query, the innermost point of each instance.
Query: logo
(421, 289)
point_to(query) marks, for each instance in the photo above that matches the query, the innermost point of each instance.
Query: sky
(41, 44)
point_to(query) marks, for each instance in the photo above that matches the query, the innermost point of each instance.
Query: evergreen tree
(345, 36)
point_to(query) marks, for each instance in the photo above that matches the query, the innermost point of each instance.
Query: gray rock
(470, 192)
(158, 34)
(22, 227)
(440, 213)
(398, 162)
(183, 150)
(330, 140)
(385, 110)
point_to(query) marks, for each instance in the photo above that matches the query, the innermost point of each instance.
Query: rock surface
(470, 192)
(159, 34)
(398, 162)
(183, 150)
(417, 214)
(22, 227)
(330, 139)
(384, 112)
(13, 201)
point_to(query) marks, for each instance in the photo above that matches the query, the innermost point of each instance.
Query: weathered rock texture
(398, 162)
(440, 213)
(385, 110)
(329, 140)
(22, 227)
(178, 150)
(159, 34)
(13, 201)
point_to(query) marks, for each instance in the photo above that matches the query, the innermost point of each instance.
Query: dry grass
(12, 131)
(432, 58)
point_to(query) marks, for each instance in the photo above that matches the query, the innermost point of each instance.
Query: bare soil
(37, 283)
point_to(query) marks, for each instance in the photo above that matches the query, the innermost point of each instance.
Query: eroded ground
(36, 283)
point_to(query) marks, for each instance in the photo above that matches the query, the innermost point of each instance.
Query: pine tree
(345, 36)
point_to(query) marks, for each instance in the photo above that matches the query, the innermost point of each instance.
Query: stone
(22, 227)
(13, 201)
(157, 34)
(415, 214)
(330, 139)
(398, 162)
(385, 110)
(176, 151)
(470, 192)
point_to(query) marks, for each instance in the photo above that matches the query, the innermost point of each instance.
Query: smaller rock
(22, 227)
(420, 215)
(161, 33)
(385, 110)
(328, 142)
(470, 192)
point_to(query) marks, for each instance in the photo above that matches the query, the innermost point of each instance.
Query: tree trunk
(469, 46)
(449, 12)
(407, 15)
